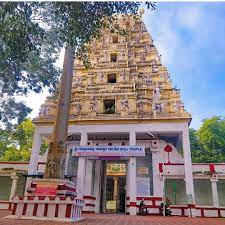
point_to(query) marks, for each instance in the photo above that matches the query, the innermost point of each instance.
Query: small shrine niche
(111, 78)
(113, 57)
(115, 39)
(109, 106)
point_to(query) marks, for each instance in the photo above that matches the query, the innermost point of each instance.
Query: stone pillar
(97, 185)
(67, 160)
(215, 192)
(88, 177)
(115, 187)
(188, 166)
(127, 186)
(33, 165)
(81, 169)
(132, 176)
(13, 187)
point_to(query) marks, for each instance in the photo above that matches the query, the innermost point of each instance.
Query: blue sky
(191, 39)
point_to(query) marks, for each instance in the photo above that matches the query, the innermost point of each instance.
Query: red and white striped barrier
(89, 204)
(153, 205)
(57, 208)
(151, 202)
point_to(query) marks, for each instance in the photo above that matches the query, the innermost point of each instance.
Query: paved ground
(112, 219)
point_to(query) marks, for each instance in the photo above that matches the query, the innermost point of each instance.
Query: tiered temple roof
(126, 81)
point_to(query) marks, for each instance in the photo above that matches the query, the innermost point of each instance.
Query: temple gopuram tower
(127, 123)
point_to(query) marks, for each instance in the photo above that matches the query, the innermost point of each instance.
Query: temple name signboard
(108, 151)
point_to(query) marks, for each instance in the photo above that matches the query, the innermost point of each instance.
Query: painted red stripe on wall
(90, 204)
(46, 210)
(24, 209)
(14, 208)
(89, 197)
(56, 210)
(132, 204)
(35, 209)
(68, 210)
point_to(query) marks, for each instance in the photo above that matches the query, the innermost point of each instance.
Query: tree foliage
(16, 145)
(208, 143)
(32, 35)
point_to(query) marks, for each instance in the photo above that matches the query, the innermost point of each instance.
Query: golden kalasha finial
(141, 12)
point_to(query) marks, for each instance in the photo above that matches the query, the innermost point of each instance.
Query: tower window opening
(112, 78)
(116, 26)
(113, 57)
(109, 106)
(115, 39)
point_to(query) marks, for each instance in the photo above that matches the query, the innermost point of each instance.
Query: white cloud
(34, 100)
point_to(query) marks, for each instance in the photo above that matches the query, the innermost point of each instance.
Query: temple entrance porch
(113, 183)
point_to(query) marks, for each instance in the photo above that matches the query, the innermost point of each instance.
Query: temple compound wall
(128, 134)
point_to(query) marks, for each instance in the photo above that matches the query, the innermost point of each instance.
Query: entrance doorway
(113, 187)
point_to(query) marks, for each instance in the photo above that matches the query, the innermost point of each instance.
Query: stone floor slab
(114, 219)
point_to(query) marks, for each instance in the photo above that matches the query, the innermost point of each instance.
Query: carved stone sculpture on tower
(131, 56)
(142, 57)
(124, 104)
(147, 48)
(78, 108)
(178, 106)
(77, 82)
(157, 108)
(93, 104)
(91, 80)
(105, 57)
(122, 55)
(156, 93)
(123, 75)
(43, 111)
(148, 80)
(101, 76)
(155, 68)
(140, 106)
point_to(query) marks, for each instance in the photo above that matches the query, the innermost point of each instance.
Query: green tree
(16, 145)
(32, 35)
(196, 149)
(208, 143)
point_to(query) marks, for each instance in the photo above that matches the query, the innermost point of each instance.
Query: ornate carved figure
(78, 108)
(137, 39)
(93, 104)
(164, 75)
(122, 55)
(77, 82)
(147, 48)
(158, 108)
(105, 56)
(142, 57)
(91, 80)
(123, 75)
(43, 111)
(178, 106)
(124, 103)
(155, 68)
(131, 56)
(148, 80)
(140, 106)
(157, 93)
(101, 76)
